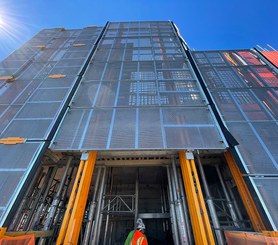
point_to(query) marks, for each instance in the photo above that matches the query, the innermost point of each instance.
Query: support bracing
(247, 199)
(96, 228)
(227, 196)
(70, 229)
(214, 218)
(172, 209)
(199, 217)
(92, 209)
(178, 206)
(57, 198)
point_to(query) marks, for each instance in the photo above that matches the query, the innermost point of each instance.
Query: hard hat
(140, 224)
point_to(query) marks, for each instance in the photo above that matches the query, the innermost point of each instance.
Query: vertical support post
(214, 218)
(64, 225)
(199, 217)
(239, 215)
(180, 214)
(19, 212)
(109, 205)
(136, 197)
(92, 209)
(79, 206)
(230, 205)
(57, 198)
(172, 209)
(245, 194)
(36, 218)
(96, 227)
(34, 204)
(185, 209)
(72, 221)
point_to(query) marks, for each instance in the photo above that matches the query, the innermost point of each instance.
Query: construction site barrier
(245, 238)
(18, 240)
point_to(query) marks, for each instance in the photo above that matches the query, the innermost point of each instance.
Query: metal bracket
(42, 47)
(56, 76)
(8, 78)
(189, 155)
(12, 140)
(79, 44)
(84, 156)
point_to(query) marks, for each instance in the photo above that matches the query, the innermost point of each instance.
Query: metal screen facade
(130, 86)
(244, 89)
(31, 102)
(139, 92)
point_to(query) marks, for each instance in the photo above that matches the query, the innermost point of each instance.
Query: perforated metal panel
(247, 102)
(31, 104)
(267, 188)
(135, 73)
(15, 163)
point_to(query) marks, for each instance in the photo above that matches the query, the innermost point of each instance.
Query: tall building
(104, 125)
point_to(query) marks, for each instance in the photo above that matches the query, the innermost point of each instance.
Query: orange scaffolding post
(72, 221)
(245, 194)
(198, 213)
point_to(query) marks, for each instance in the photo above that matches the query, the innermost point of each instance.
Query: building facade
(140, 126)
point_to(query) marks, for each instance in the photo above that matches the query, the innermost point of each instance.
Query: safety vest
(138, 239)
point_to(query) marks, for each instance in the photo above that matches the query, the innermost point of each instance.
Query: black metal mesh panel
(97, 129)
(195, 137)
(94, 71)
(25, 154)
(243, 88)
(134, 73)
(8, 182)
(187, 116)
(30, 129)
(48, 95)
(255, 157)
(227, 106)
(267, 188)
(39, 110)
(76, 124)
(65, 82)
(7, 115)
(31, 103)
(150, 129)
(124, 129)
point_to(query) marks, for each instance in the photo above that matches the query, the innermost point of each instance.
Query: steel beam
(199, 217)
(246, 197)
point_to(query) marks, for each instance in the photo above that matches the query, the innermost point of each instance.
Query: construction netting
(18, 240)
(244, 238)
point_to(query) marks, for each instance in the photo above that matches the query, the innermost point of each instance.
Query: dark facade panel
(244, 89)
(137, 78)
(31, 103)
(267, 188)
(15, 164)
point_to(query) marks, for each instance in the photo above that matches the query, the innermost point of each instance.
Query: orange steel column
(198, 213)
(65, 222)
(72, 221)
(245, 194)
(77, 214)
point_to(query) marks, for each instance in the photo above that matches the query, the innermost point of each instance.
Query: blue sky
(204, 24)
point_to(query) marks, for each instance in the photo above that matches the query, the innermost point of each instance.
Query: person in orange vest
(137, 237)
